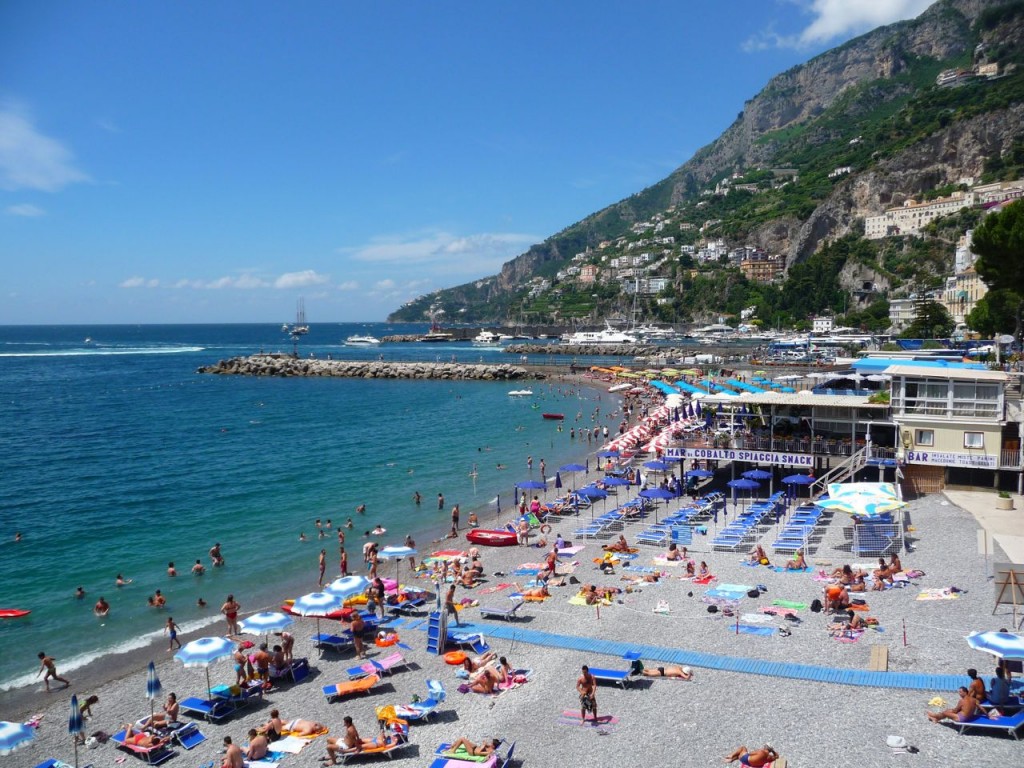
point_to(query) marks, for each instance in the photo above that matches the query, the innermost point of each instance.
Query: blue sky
(212, 162)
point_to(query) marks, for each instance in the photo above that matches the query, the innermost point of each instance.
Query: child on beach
(48, 664)
(172, 633)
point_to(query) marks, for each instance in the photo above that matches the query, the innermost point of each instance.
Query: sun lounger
(150, 755)
(349, 687)
(382, 666)
(475, 641)
(508, 613)
(189, 736)
(247, 695)
(408, 606)
(213, 710)
(52, 763)
(298, 670)
(422, 710)
(495, 760)
(1009, 724)
(616, 676)
(334, 642)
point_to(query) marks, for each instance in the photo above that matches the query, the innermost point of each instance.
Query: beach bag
(712, 609)
(816, 606)
(754, 593)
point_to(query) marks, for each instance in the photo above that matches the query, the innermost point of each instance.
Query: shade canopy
(744, 484)
(204, 651)
(153, 686)
(265, 623)
(572, 468)
(700, 473)
(798, 479)
(757, 474)
(657, 493)
(397, 552)
(1002, 645)
(615, 481)
(319, 603)
(339, 589)
(531, 485)
(657, 466)
(14, 735)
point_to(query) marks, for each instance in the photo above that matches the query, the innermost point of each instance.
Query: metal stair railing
(840, 473)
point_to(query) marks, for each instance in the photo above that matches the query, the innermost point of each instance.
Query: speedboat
(520, 393)
(361, 341)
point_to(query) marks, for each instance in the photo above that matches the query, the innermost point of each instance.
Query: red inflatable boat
(492, 538)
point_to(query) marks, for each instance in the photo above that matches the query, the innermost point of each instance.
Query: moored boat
(13, 613)
(554, 416)
(361, 341)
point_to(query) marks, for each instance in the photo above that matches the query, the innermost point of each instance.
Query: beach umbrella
(861, 506)
(397, 553)
(14, 735)
(757, 474)
(153, 686)
(702, 473)
(868, 490)
(558, 479)
(76, 724)
(657, 494)
(265, 623)
(1002, 645)
(572, 468)
(204, 652)
(742, 484)
(531, 485)
(321, 604)
(588, 465)
(607, 454)
(592, 492)
(657, 466)
(347, 586)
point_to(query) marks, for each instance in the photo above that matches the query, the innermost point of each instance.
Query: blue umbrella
(265, 623)
(572, 468)
(798, 479)
(591, 492)
(558, 479)
(588, 465)
(742, 484)
(700, 473)
(14, 735)
(1002, 645)
(615, 481)
(757, 474)
(153, 686)
(204, 652)
(608, 454)
(657, 493)
(657, 466)
(75, 724)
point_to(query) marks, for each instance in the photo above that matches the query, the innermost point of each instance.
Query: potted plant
(1004, 500)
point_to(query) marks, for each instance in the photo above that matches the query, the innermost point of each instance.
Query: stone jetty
(286, 365)
(613, 350)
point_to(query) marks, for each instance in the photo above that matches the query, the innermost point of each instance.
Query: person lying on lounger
(299, 727)
(140, 738)
(966, 709)
(484, 749)
(757, 758)
(682, 673)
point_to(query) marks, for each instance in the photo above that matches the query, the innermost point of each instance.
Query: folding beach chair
(382, 666)
(508, 613)
(349, 687)
(189, 736)
(422, 710)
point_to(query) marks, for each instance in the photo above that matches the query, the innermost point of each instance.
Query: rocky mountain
(871, 106)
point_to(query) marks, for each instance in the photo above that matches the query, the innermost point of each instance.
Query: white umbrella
(204, 652)
(397, 553)
(265, 623)
(318, 605)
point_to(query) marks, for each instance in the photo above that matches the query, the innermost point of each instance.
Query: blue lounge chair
(496, 760)
(616, 676)
(501, 613)
(52, 763)
(334, 642)
(1008, 724)
(422, 710)
(409, 606)
(475, 641)
(149, 755)
(189, 736)
(213, 710)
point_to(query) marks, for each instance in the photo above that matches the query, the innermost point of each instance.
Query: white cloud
(483, 252)
(348, 285)
(139, 282)
(24, 209)
(30, 160)
(385, 285)
(838, 19)
(300, 279)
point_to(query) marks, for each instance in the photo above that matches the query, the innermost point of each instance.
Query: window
(974, 439)
(925, 437)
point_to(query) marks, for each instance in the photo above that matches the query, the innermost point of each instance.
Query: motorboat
(607, 335)
(520, 393)
(486, 339)
(361, 341)
(492, 538)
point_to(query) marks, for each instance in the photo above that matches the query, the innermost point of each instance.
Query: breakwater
(614, 350)
(286, 365)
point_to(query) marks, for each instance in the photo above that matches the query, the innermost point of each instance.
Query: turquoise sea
(118, 458)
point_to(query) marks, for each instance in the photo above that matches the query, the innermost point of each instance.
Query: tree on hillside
(932, 322)
(999, 243)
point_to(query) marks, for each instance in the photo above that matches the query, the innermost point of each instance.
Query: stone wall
(284, 365)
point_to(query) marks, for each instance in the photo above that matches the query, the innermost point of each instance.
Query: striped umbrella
(204, 652)
(398, 553)
(319, 605)
(1002, 645)
(153, 686)
(75, 724)
(266, 622)
(14, 735)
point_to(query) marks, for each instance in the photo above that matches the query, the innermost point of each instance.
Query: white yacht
(362, 341)
(608, 335)
(486, 339)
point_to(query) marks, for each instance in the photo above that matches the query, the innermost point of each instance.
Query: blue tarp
(687, 387)
(879, 364)
(668, 389)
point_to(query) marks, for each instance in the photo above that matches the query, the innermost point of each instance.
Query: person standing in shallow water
(440, 502)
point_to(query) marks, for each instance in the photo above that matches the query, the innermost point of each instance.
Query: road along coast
(286, 365)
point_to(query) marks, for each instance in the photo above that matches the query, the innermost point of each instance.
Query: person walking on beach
(412, 558)
(455, 517)
(323, 566)
(172, 633)
(440, 502)
(449, 605)
(586, 685)
(230, 610)
(48, 664)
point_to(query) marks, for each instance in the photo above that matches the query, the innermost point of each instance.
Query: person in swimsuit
(586, 686)
(484, 749)
(299, 727)
(967, 709)
(215, 556)
(142, 739)
(230, 610)
(287, 644)
(48, 665)
(259, 745)
(198, 569)
(798, 563)
(102, 607)
(674, 554)
(758, 555)
(756, 759)
(171, 629)
(682, 673)
(273, 728)
(233, 757)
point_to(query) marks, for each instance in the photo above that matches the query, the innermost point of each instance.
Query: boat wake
(100, 351)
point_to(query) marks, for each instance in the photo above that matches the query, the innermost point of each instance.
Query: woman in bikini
(798, 563)
(230, 610)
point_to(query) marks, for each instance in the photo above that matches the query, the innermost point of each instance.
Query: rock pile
(285, 365)
(614, 350)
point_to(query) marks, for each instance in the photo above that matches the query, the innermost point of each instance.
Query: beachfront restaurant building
(956, 426)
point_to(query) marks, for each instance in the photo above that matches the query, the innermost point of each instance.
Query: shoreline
(111, 666)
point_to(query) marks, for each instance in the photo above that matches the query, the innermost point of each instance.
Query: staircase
(841, 472)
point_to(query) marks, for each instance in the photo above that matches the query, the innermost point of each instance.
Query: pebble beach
(657, 722)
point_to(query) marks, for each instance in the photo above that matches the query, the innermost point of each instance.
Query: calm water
(118, 458)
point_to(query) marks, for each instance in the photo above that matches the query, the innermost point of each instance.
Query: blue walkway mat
(839, 676)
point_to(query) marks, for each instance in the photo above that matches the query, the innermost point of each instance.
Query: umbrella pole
(75, 740)
(209, 688)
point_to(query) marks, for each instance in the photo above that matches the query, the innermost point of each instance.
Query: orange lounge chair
(362, 685)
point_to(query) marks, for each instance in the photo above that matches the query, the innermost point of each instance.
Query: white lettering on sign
(943, 459)
(732, 454)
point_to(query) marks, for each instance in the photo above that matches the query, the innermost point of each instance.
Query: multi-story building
(912, 217)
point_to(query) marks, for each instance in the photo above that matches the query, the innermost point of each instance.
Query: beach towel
(747, 629)
(856, 607)
(748, 564)
(463, 754)
(849, 636)
(266, 762)
(581, 600)
(744, 588)
(777, 611)
(796, 606)
(640, 569)
(782, 569)
(704, 579)
(291, 745)
(728, 594)
(495, 588)
(570, 551)
(937, 594)
(756, 618)
(663, 560)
